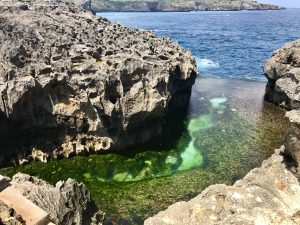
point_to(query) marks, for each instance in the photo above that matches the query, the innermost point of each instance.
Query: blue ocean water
(225, 44)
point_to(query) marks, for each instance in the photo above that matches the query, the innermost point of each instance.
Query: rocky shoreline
(266, 195)
(74, 84)
(67, 94)
(178, 6)
(269, 194)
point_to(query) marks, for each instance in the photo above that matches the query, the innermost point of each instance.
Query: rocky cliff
(269, 194)
(73, 83)
(179, 5)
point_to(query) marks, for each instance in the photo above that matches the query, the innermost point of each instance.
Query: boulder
(283, 73)
(73, 83)
(67, 203)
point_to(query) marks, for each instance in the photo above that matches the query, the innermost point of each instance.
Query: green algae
(218, 146)
(192, 156)
(217, 102)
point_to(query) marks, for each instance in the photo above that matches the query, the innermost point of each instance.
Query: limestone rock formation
(8, 216)
(67, 203)
(73, 83)
(283, 73)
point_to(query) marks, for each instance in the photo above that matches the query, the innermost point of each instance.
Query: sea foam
(206, 64)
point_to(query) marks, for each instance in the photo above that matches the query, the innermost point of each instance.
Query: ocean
(232, 44)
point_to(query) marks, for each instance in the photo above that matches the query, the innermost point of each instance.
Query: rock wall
(283, 89)
(73, 83)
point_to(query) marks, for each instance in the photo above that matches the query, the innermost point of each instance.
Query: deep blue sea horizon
(226, 44)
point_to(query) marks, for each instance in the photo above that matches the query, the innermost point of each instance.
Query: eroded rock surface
(67, 203)
(8, 216)
(283, 73)
(73, 83)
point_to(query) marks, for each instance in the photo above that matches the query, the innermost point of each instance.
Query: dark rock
(292, 141)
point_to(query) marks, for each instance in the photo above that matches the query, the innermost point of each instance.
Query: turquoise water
(226, 44)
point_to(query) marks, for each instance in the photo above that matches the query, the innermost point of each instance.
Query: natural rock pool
(228, 131)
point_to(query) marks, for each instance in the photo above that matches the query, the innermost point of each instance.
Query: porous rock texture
(8, 216)
(67, 203)
(73, 83)
(283, 73)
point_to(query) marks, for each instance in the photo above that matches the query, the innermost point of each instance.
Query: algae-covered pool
(228, 131)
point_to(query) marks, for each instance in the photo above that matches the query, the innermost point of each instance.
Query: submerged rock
(67, 203)
(73, 83)
(283, 73)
